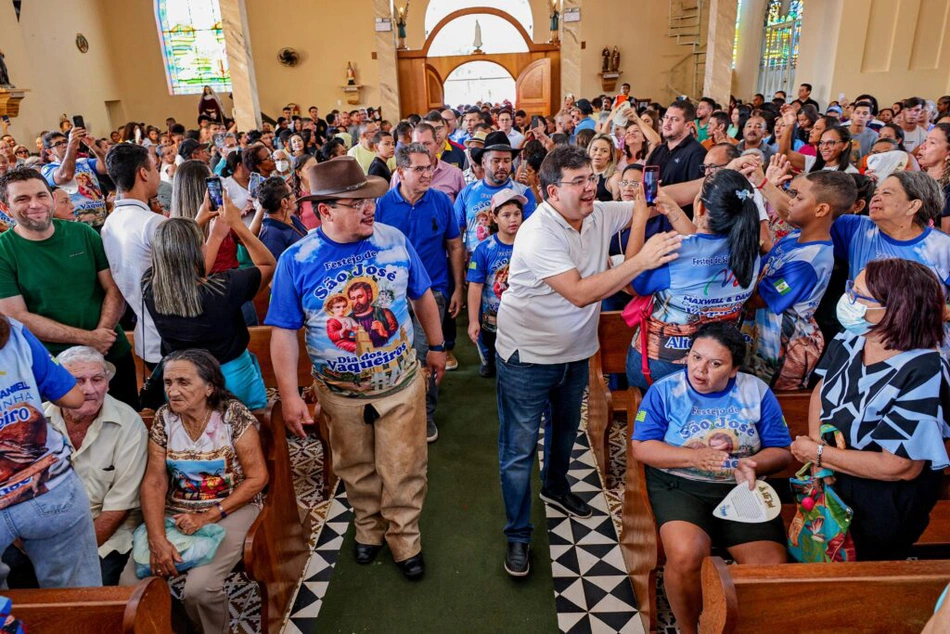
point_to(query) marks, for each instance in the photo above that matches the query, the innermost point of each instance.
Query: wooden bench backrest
(144, 608)
(893, 596)
(260, 347)
(614, 335)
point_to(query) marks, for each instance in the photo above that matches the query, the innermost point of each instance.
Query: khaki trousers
(206, 602)
(383, 465)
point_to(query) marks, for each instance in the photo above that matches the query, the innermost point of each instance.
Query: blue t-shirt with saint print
(696, 287)
(858, 240)
(34, 457)
(354, 300)
(489, 266)
(473, 209)
(741, 420)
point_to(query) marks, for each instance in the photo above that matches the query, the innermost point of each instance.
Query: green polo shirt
(58, 278)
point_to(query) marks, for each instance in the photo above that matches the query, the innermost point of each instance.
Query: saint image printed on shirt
(25, 458)
(498, 286)
(199, 480)
(359, 332)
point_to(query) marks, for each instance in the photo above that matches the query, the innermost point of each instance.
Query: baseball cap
(506, 196)
(188, 146)
(584, 106)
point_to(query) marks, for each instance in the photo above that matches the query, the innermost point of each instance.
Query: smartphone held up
(215, 192)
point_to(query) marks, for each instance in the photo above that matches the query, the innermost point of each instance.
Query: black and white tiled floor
(592, 591)
(591, 587)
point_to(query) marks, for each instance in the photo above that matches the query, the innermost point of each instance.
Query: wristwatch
(438, 348)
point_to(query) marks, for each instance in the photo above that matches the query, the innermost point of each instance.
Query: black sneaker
(486, 371)
(569, 504)
(432, 432)
(517, 562)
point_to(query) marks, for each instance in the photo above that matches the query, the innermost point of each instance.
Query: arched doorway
(535, 67)
(478, 81)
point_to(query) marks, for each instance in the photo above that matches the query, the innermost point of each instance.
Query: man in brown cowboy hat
(352, 282)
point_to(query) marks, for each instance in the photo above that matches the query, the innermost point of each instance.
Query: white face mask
(852, 316)
(282, 166)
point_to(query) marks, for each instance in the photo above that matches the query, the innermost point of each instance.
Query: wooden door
(533, 88)
(434, 95)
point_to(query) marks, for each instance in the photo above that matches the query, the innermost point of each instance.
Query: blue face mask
(852, 316)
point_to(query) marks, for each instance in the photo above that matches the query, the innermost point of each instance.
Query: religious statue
(4, 74)
(615, 60)
(401, 15)
(606, 55)
(555, 20)
(350, 74)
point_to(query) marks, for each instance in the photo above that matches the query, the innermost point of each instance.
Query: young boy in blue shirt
(786, 342)
(488, 275)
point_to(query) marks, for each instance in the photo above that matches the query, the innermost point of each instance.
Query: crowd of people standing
(785, 249)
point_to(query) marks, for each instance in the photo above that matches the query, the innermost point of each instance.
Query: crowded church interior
(567, 316)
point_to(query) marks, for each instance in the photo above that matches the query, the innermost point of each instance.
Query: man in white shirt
(505, 122)
(127, 236)
(547, 331)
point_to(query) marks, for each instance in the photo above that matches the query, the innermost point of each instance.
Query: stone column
(570, 53)
(719, 39)
(386, 63)
(237, 39)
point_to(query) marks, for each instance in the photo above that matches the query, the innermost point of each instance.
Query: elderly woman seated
(885, 388)
(699, 431)
(205, 465)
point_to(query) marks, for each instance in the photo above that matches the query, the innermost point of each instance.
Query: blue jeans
(658, 369)
(57, 534)
(525, 391)
(421, 346)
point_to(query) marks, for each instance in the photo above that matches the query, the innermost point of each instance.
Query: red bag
(637, 313)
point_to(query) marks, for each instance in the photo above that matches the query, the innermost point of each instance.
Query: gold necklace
(204, 425)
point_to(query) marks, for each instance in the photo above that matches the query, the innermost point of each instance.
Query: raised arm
(67, 169)
(785, 141)
(261, 256)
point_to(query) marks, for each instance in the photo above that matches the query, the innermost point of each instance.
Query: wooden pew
(276, 547)
(144, 608)
(894, 597)
(260, 346)
(639, 539)
(614, 336)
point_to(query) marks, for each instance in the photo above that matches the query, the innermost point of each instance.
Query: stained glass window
(783, 30)
(192, 40)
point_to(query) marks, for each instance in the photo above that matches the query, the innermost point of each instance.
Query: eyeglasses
(580, 182)
(58, 144)
(360, 205)
(712, 169)
(854, 296)
(22, 152)
(634, 184)
(423, 169)
(828, 143)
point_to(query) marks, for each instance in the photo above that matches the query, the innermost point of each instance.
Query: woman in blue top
(710, 281)
(699, 432)
(897, 226)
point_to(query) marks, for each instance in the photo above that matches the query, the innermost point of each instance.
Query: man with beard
(680, 156)
(78, 176)
(42, 500)
(496, 160)
(753, 137)
(379, 323)
(55, 279)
